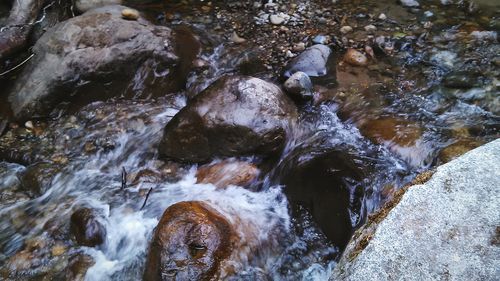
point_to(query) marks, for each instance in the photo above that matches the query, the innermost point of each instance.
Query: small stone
(370, 28)
(355, 58)
(29, 125)
(299, 85)
(409, 3)
(299, 47)
(428, 14)
(276, 19)
(237, 39)
(130, 14)
(382, 17)
(320, 39)
(345, 29)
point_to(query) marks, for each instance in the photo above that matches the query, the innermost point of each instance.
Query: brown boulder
(235, 116)
(227, 173)
(189, 243)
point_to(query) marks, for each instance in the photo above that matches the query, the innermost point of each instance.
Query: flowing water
(351, 148)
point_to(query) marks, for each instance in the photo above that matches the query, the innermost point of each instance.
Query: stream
(361, 138)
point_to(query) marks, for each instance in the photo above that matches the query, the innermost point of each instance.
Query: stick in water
(124, 178)
(146, 200)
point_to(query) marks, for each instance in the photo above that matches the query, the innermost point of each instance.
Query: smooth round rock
(355, 58)
(311, 61)
(130, 14)
(190, 242)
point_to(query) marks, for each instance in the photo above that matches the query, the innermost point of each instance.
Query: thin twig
(146, 200)
(17, 66)
(124, 178)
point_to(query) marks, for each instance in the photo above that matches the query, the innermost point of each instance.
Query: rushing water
(368, 141)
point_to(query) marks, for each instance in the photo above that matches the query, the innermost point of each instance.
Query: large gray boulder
(90, 52)
(445, 229)
(235, 116)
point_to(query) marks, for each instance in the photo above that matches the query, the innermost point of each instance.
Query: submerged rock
(190, 242)
(327, 186)
(227, 173)
(444, 229)
(355, 58)
(86, 228)
(236, 115)
(86, 53)
(312, 61)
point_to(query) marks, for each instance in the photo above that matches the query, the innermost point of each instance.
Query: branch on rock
(14, 36)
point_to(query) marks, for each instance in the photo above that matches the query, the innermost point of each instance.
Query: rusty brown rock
(355, 57)
(190, 242)
(227, 173)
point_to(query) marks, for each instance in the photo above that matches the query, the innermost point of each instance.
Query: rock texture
(445, 229)
(190, 242)
(237, 115)
(89, 51)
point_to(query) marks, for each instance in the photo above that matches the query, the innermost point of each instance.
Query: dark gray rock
(88, 52)
(299, 85)
(444, 229)
(312, 61)
(86, 228)
(236, 115)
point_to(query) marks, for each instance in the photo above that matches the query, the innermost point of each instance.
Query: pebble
(428, 14)
(29, 125)
(382, 17)
(237, 39)
(299, 47)
(409, 3)
(320, 39)
(276, 19)
(345, 29)
(370, 28)
(130, 14)
(355, 58)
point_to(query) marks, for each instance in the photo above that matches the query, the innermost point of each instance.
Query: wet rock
(77, 267)
(130, 14)
(312, 61)
(355, 58)
(86, 228)
(456, 149)
(388, 129)
(36, 179)
(327, 185)
(227, 173)
(460, 80)
(89, 51)
(443, 229)
(299, 85)
(190, 242)
(86, 5)
(236, 115)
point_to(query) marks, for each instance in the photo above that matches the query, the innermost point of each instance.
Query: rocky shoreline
(249, 140)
